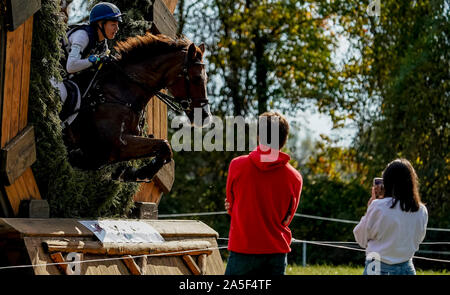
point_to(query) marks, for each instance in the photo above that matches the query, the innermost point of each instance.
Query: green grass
(293, 269)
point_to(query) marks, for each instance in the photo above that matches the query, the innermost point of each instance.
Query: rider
(87, 43)
(87, 46)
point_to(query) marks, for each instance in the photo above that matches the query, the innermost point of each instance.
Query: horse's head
(188, 86)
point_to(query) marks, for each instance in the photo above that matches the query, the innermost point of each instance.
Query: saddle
(71, 105)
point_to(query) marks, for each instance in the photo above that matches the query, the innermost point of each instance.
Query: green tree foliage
(270, 54)
(409, 61)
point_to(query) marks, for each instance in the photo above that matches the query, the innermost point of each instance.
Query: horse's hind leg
(134, 147)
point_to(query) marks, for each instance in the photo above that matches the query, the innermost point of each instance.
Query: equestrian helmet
(105, 11)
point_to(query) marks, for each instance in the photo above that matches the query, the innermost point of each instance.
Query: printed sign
(121, 231)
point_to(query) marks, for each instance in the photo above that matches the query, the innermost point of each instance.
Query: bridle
(185, 104)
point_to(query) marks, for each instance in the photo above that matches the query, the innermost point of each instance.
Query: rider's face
(111, 28)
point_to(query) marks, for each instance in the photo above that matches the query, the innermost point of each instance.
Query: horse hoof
(127, 175)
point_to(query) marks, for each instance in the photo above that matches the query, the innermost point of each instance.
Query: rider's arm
(79, 41)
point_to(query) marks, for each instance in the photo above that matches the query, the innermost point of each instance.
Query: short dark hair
(402, 184)
(283, 129)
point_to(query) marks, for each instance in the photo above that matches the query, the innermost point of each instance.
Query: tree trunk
(261, 73)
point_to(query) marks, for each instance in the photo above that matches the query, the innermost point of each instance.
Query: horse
(108, 127)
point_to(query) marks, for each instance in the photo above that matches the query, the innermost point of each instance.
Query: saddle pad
(72, 103)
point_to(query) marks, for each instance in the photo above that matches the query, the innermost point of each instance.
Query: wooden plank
(17, 60)
(150, 115)
(165, 177)
(18, 155)
(53, 227)
(132, 265)
(25, 88)
(176, 248)
(192, 265)
(182, 228)
(31, 185)
(171, 5)
(8, 88)
(163, 19)
(22, 193)
(58, 258)
(7, 231)
(156, 193)
(164, 122)
(61, 227)
(201, 262)
(20, 10)
(156, 118)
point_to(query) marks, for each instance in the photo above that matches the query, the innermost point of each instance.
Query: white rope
(362, 250)
(296, 214)
(326, 218)
(215, 248)
(108, 259)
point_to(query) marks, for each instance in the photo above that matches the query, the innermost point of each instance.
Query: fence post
(304, 254)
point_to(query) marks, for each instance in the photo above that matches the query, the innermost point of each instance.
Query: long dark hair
(402, 184)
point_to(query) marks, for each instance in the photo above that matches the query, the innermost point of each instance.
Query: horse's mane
(141, 47)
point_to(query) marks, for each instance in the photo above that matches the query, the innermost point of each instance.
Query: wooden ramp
(190, 247)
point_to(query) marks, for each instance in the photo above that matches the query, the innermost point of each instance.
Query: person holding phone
(395, 222)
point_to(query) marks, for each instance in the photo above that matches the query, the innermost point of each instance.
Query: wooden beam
(20, 10)
(163, 19)
(58, 258)
(165, 177)
(132, 265)
(201, 262)
(172, 248)
(18, 155)
(190, 263)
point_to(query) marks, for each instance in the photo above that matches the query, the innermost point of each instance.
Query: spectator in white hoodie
(395, 222)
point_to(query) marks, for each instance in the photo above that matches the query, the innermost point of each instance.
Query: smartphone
(377, 181)
(378, 184)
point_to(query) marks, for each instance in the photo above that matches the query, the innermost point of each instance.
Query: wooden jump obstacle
(190, 247)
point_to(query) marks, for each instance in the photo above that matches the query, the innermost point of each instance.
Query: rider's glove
(94, 59)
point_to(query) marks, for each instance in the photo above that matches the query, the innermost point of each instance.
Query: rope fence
(296, 214)
(335, 244)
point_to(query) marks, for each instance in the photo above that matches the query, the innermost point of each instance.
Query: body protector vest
(94, 47)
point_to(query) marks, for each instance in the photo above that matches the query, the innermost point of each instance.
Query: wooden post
(15, 58)
(165, 23)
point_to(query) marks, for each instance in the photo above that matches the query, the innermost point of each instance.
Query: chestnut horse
(107, 129)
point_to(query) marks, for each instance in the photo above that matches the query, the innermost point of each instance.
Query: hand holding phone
(378, 187)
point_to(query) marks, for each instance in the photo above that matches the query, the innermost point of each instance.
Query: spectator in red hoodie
(263, 193)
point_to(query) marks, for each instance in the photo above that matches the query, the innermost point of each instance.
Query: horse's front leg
(135, 147)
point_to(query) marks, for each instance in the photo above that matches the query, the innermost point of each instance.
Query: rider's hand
(102, 59)
(94, 59)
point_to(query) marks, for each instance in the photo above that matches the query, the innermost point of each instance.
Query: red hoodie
(261, 194)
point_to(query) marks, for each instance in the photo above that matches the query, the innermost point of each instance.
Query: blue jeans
(404, 268)
(256, 264)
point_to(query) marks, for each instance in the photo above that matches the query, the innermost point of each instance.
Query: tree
(410, 60)
(270, 54)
